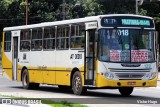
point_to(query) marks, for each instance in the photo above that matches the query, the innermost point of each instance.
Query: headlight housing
(110, 75)
(149, 76)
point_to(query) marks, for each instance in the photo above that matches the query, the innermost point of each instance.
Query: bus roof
(64, 22)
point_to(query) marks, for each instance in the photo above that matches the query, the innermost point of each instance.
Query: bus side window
(63, 37)
(77, 36)
(7, 42)
(25, 40)
(36, 39)
(49, 38)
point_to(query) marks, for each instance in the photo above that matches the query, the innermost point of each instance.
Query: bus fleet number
(123, 32)
(76, 56)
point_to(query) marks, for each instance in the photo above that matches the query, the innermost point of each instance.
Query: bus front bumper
(104, 82)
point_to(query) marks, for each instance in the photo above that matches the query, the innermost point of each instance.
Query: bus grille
(136, 76)
(129, 74)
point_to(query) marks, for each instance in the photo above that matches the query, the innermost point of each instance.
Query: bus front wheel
(25, 81)
(77, 87)
(126, 91)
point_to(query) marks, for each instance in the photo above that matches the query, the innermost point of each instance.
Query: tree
(13, 12)
(143, 12)
(152, 9)
(79, 9)
(118, 6)
(42, 10)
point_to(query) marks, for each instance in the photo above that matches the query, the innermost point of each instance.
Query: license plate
(131, 83)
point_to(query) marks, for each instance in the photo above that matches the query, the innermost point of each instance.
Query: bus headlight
(111, 76)
(149, 76)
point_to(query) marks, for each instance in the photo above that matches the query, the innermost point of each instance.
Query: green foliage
(157, 19)
(118, 6)
(78, 9)
(3, 8)
(151, 9)
(14, 11)
(143, 12)
(92, 7)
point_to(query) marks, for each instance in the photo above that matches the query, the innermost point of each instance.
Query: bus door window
(90, 66)
(90, 55)
(91, 44)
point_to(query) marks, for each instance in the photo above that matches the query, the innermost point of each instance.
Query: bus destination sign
(137, 22)
(126, 21)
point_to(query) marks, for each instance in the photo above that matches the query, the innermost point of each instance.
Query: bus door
(90, 53)
(15, 37)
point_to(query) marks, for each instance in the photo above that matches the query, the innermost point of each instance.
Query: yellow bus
(115, 51)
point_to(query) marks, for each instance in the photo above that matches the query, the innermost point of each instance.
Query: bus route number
(76, 56)
(123, 32)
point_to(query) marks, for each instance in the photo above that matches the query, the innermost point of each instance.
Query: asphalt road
(144, 96)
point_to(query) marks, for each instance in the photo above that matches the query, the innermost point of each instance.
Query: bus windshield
(126, 45)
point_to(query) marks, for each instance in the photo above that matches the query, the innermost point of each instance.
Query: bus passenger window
(25, 39)
(36, 39)
(62, 37)
(77, 36)
(25, 45)
(49, 38)
(7, 42)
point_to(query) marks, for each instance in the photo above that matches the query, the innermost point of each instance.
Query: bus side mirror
(96, 36)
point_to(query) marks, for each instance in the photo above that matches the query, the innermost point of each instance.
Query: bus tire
(25, 81)
(77, 87)
(126, 91)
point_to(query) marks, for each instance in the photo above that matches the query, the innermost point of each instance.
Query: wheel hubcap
(25, 80)
(77, 83)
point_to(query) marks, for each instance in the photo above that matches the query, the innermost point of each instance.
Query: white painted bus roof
(64, 22)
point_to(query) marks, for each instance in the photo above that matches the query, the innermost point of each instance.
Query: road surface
(100, 96)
